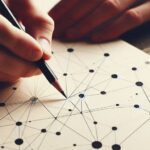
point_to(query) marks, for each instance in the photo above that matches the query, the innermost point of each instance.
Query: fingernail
(45, 46)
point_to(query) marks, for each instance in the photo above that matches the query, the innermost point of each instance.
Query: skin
(18, 50)
(74, 19)
(98, 20)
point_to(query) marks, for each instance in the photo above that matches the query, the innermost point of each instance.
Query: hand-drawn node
(74, 145)
(139, 83)
(2, 147)
(18, 123)
(147, 62)
(114, 128)
(103, 92)
(70, 50)
(116, 147)
(81, 95)
(97, 145)
(34, 99)
(117, 105)
(95, 122)
(134, 68)
(69, 109)
(65, 74)
(14, 88)
(2, 104)
(58, 133)
(136, 106)
(106, 54)
(19, 141)
(91, 70)
(43, 130)
(114, 76)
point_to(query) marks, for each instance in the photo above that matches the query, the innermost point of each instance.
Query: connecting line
(145, 94)
(146, 121)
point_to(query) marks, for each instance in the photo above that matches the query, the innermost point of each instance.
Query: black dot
(114, 128)
(65, 74)
(96, 144)
(103, 92)
(139, 83)
(69, 109)
(106, 54)
(134, 68)
(116, 147)
(19, 141)
(70, 50)
(74, 145)
(2, 104)
(55, 118)
(81, 95)
(52, 52)
(95, 122)
(114, 76)
(91, 71)
(2, 147)
(14, 88)
(136, 106)
(18, 123)
(43, 130)
(117, 104)
(58, 133)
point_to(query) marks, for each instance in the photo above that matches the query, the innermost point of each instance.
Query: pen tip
(62, 92)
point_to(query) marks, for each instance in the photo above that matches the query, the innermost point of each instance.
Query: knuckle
(112, 5)
(134, 17)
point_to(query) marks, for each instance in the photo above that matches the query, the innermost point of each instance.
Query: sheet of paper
(108, 105)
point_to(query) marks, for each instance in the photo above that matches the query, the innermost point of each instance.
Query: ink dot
(34, 99)
(91, 71)
(52, 52)
(97, 144)
(14, 88)
(2, 104)
(134, 68)
(74, 145)
(2, 147)
(117, 104)
(55, 118)
(103, 92)
(70, 50)
(139, 83)
(106, 54)
(114, 128)
(81, 95)
(114, 76)
(19, 141)
(147, 62)
(95, 122)
(116, 147)
(58, 133)
(136, 106)
(43, 130)
(18, 123)
(65, 74)
(69, 109)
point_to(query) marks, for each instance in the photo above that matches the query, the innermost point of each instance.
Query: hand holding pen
(19, 48)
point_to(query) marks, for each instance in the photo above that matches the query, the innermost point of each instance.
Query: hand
(98, 20)
(18, 49)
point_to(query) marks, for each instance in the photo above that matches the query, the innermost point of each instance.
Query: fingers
(129, 20)
(106, 11)
(62, 8)
(37, 23)
(14, 67)
(80, 10)
(18, 42)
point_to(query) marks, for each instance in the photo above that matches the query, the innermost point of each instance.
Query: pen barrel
(49, 74)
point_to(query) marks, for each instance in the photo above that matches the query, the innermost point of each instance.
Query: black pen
(43, 66)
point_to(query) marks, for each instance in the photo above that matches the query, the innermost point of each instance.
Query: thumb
(41, 28)
(37, 23)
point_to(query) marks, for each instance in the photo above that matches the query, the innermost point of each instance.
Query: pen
(43, 66)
